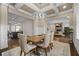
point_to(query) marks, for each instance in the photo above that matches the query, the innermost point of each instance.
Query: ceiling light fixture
(64, 7)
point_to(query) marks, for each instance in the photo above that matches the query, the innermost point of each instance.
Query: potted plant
(68, 31)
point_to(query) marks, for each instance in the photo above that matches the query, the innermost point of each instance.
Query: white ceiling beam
(46, 8)
(54, 7)
(50, 7)
(25, 12)
(32, 6)
(60, 13)
(19, 12)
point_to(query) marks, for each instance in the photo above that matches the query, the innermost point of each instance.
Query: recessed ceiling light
(64, 7)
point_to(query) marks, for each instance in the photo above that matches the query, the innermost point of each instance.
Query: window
(15, 28)
(18, 28)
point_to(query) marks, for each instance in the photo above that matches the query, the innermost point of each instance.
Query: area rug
(59, 49)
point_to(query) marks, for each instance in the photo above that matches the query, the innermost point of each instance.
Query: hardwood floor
(61, 39)
(73, 50)
(12, 43)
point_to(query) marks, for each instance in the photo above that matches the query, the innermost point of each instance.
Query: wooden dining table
(36, 38)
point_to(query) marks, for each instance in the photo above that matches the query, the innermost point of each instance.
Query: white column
(3, 26)
(76, 20)
(76, 27)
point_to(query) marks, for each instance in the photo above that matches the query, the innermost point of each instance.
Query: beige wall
(28, 27)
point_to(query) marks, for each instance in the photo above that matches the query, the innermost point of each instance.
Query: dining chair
(45, 44)
(51, 39)
(52, 27)
(26, 48)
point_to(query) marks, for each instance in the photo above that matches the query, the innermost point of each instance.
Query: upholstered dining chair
(45, 44)
(52, 30)
(26, 48)
(51, 39)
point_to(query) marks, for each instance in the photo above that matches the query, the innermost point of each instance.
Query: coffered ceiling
(50, 9)
(48, 12)
(65, 7)
(28, 9)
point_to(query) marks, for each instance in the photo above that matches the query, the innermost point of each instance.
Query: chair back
(52, 37)
(47, 39)
(52, 32)
(22, 41)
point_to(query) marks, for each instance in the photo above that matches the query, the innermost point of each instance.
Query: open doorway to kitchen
(58, 28)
